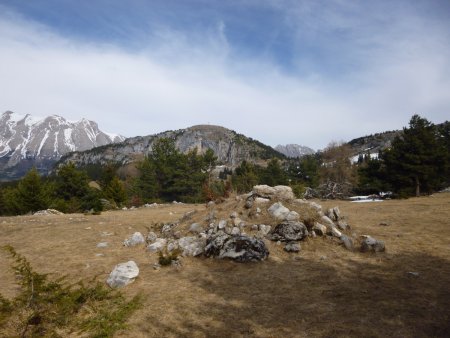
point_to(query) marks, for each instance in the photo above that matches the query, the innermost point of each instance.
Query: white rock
(195, 228)
(173, 245)
(292, 216)
(192, 246)
(234, 214)
(278, 211)
(123, 274)
(237, 221)
(222, 224)
(136, 239)
(320, 229)
(263, 190)
(327, 220)
(335, 232)
(158, 245)
(261, 200)
(102, 245)
(235, 231)
(258, 210)
(284, 193)
(255, 227)
(264, 229)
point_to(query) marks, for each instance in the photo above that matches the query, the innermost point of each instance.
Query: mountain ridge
(26, 140)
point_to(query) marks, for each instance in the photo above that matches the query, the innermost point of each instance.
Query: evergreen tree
(146, 185)
(415, 162)
(273, 174)
(31, 193)
(115, 191)
(245, 177)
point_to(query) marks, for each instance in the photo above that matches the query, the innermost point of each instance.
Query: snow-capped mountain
(26, 140)
(294, 150)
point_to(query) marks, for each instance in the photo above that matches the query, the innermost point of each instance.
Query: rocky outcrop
(230, 147)
(289, 231)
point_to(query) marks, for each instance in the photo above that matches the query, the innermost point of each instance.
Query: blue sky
(280, 71)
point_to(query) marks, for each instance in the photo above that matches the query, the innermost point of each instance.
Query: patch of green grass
(46, 307)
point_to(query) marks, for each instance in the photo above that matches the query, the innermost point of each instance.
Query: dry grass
(324, 291)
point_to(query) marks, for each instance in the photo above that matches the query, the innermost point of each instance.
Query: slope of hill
(294, 150)
(26, 141)
(230, 147)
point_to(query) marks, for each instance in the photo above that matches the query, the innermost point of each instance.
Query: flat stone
(123, 274)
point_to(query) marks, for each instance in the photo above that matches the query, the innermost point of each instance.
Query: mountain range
(27, 141)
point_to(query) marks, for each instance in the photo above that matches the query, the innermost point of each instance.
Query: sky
(279, 71)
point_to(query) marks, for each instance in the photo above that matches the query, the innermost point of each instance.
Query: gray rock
(370, 244)
(288, 231)
(158, 245)
(264, 229)
(168, 228)
(248, 204)
(222, 224)
(347, 242)
(172, 245)
(235, 231)
(123, 274)
(258, 210)
(151, 237)
(292, 216)
(238, 248)
(260, 200)
(102, 245)
(255, 227)
(326, 220)
(334, 214)
(292, 247)
(195, 228)
(192, 246)
(319, 229)
(234, 214)
(136, 239)
(278, 211)
(343, 225)
(237, 221)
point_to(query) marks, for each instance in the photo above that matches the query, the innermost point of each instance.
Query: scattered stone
(48, 212)
(248, 204)
(343, 225)
(289, 231)
(210, 204)
(156, 266)
(234, 214)
(136, 239)
(412, 274)
(255, 227)
(235, 231)
(335, 232)
(370, 244)
(196, 228)
(384, 224)
(167, 228)
(279, 192)
(123, 274)
(88, 228)
(102, 245)
(258, 210)
(238, 248)
(172, 245)
(347, 241)
(292, 247)
(320, 229)
(237, 221)
(99, 255)
(151, 237)
(158, 245)
(327, 220)
(264, 229)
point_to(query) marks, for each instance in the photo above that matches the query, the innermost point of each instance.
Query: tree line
(417, 162)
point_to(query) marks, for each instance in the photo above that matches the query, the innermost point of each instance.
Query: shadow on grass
(315, 299)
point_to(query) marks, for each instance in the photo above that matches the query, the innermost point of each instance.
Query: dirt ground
(323, 291)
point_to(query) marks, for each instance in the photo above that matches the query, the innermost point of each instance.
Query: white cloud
(174, 84)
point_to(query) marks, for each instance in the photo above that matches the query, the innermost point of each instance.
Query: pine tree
(31, 193)
(415, 162)
(115, 191)
(245, 177)
(273, 174)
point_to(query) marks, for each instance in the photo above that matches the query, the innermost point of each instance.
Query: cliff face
(229, 147)
(26, 141)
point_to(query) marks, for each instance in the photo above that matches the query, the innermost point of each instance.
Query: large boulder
(281, 213)
(123, 274)
(288, 231)
(238, 248)
(370, 244)
(280, 192)
(136, 239)
(191, 246)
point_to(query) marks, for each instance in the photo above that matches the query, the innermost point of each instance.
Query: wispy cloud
(382, 72)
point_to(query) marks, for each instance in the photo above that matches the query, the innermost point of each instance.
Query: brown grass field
(323, 291)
